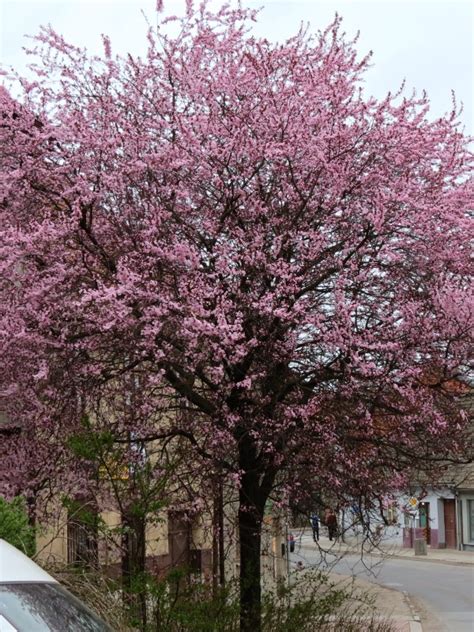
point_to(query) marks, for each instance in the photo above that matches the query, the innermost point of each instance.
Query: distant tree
(235, 224)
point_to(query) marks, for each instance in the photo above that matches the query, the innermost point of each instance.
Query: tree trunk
(250, 525)
(255, 485)
(218, 545)
(250, 580)
(215, 542)
(31, 509)
(221, 535)
(133, 567)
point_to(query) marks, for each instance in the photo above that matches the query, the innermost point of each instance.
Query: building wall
(51, 542)
(274, 552)
(466, 519)
(157, 539)
(436, 500)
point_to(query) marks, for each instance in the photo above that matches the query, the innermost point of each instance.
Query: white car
(33, 601)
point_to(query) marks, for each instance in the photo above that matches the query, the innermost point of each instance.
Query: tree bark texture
(133, 566)
(252, 498)
(250, 524)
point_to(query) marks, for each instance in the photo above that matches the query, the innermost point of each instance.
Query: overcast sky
(427, 42)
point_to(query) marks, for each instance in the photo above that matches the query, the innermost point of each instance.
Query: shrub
(14, 525)
(177, 604)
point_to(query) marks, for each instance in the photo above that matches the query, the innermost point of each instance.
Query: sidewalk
(388, 604)
(446, 556)
(384, 549)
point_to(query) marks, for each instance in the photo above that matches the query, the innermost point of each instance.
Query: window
(470, 519)
(45, 608)
(424, 515)
(391, 514)
(82, 528)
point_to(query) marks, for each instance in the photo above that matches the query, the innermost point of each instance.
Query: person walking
(291, 543)
(314, 519)
(331, 523)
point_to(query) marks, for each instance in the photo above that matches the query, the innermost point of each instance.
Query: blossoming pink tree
(236, 224)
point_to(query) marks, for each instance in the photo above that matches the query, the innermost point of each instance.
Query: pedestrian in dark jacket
(314, 518)
(331, 523)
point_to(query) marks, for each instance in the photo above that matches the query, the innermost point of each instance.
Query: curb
(402, 624)
(420, 558)
(415, 625)
(406, 625)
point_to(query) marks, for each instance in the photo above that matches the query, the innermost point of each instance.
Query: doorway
(450, 523)
(424, 514)
(179, 537)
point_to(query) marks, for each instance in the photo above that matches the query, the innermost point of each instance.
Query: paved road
(447, 590)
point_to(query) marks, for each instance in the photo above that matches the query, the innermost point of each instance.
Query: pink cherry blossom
(235, 226)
